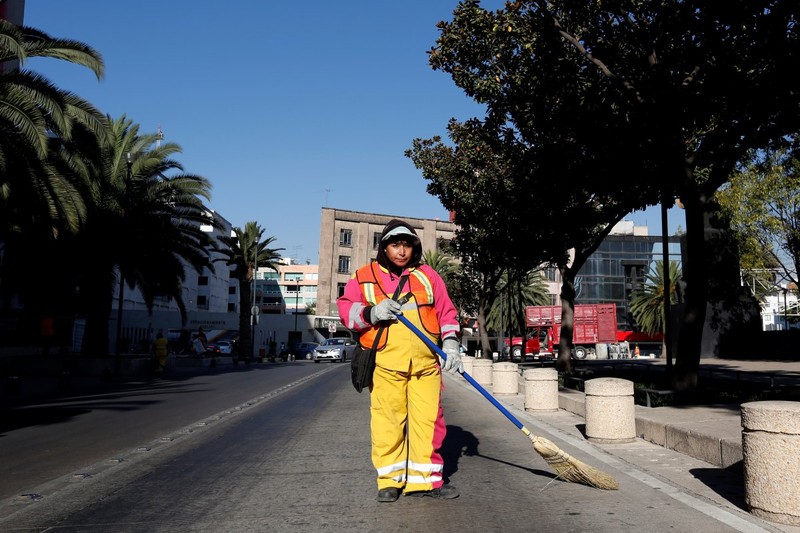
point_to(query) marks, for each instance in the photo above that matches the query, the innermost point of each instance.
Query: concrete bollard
(541, 389)
(467, 360)
(505, 379)
(482, 371)
(610, 413)
(770, 440)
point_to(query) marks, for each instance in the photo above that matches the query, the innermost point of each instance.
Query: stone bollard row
(770, 444)
(610, 411)
(482, 372)
(541, 389)
(467, 360)
(505, 379)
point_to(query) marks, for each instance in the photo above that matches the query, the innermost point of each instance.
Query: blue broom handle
(433, 346)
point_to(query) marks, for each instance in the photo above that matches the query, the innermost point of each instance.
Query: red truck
(594, 333)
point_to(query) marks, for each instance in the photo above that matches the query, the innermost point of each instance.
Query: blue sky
(286, 107)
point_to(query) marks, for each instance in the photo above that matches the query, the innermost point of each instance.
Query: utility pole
(121, 296)
(253, 307)
(667, 281)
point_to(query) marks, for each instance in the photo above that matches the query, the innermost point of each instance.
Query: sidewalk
(711, 433)
(697, 448)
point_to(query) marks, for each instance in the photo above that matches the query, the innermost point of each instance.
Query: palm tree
(647, 301)
(41, 126)
(441, 262)
(507, 312)
(244, 251)
(49, 142)
(144, 222)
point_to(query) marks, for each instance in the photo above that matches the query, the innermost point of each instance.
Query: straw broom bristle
(570, 469)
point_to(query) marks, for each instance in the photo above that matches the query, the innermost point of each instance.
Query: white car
(225, 347)
(336, 349)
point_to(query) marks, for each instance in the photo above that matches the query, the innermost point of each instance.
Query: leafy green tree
(144, 222)
(244, 251)
(762, 205)
(615, 107)
(475, 180)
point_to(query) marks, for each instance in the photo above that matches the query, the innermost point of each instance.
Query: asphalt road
(286, 448)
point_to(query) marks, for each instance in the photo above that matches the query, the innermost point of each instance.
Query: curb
(709, 433)
(712, 434)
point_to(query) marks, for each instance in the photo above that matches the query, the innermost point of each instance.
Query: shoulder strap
(399, 288)
(394, 297)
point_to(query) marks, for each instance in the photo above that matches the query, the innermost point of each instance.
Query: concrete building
(292, 289)
(211, 298)
(619, 266)
(349, 239)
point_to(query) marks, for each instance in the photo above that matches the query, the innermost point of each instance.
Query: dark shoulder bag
(362, 365)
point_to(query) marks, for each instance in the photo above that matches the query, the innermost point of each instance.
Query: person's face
(399, 252)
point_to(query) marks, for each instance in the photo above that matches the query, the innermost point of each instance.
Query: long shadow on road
(458, 443)
(53, 404)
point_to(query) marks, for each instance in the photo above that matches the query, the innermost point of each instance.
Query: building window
(340, 289)
(345, 237)
(344, 264)
(376, 240)
(202, 280)
(232, 289)
(202, 302)
(231, 308)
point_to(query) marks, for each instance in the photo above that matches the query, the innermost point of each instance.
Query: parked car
(220, 348)
(300, 350)
(336, 349)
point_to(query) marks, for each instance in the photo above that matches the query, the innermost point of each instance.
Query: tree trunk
(483, 334)
(695, 275)
(564, 361)
(245, 303)
(98, 297)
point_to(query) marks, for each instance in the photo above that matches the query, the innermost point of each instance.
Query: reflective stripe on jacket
(421, 302)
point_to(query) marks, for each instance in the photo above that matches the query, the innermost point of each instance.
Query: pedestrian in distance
(407, 424)
(200, 342)
(48, 331)
(160, 353)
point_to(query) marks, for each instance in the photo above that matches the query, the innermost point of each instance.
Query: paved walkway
(712, 433)
(697, 449)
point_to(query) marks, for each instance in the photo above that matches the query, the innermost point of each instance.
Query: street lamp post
(296, 306)
(785, 309)
(667, 281)
(129, 163)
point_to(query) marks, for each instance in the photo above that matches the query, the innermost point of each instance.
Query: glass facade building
(619, 266)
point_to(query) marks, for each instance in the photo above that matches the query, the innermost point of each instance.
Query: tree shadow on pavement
(727, 482)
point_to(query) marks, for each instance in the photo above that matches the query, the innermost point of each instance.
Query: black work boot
(445, 492)
(389, 494)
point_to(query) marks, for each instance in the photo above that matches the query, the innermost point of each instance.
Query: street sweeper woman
(407, 424)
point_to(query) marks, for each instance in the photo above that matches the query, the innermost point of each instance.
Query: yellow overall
(407, 424)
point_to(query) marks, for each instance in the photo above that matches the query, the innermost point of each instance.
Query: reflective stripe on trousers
(407, 400)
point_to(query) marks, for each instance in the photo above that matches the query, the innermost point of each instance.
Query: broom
(566, 467)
